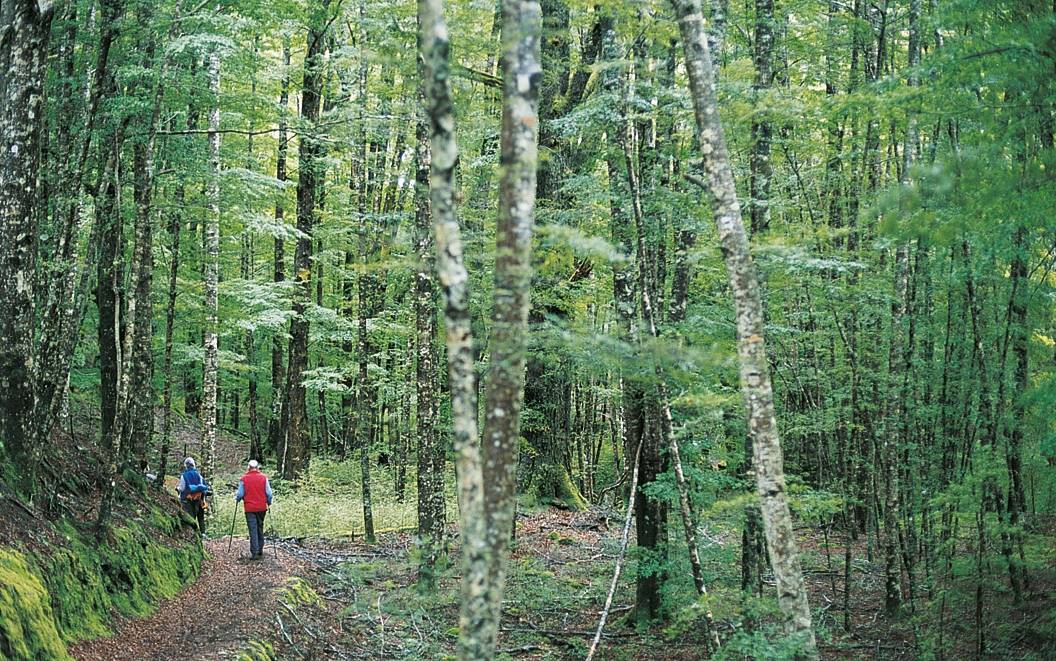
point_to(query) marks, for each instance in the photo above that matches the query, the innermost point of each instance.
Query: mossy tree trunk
(744, 285)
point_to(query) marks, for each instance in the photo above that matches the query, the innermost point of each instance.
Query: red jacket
(255, 485)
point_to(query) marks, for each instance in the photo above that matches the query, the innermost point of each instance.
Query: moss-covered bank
(68, 594)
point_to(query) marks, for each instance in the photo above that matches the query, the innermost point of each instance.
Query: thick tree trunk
(744, 284)
(299, 440)
(211, 365)
(279, 394)
(24, 31)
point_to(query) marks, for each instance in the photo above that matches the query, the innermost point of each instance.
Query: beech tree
(744, 285)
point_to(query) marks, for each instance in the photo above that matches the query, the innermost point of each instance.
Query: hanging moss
(27, 626)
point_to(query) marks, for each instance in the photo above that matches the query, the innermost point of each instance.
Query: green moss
(78, 595)
(27, 625)
(554, 486)
(140, 572)
(134, 571)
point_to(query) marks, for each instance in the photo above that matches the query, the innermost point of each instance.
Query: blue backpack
(195, 485)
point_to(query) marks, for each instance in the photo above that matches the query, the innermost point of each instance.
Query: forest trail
(232, 602)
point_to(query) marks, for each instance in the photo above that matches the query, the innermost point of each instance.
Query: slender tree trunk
(451, 272)
(1020, 343)
(522, 76)
(744, 284)
(141, 406)
(123, 341)
(109, 285)
(666, 431)
(365, 289)
(761, 173)
(430, 484)
(211, 367)
(170, 320)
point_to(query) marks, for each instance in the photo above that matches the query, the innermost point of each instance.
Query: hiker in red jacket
(256, 491)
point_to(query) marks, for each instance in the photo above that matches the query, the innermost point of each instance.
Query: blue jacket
(191, 482)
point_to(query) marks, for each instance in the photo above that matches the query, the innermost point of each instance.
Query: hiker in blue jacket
(193, 489)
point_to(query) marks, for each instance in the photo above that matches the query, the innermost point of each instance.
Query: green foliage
(327, 501)
(258, 651)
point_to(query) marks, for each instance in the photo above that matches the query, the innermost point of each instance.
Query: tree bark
(211, 366)
(434, 48)
(279, 394)
(24, 32)
(522, 77)
(430, 454)
(298, 445)
(744, 284)
(366, 286)
(761, 172)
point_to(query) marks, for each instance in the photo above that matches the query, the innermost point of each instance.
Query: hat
(253, 463)
(188, 463)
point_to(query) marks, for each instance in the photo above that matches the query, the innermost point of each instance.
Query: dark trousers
(197, 512)
(255, 524)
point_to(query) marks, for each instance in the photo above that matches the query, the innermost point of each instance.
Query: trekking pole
(274, 548)
(231, 533)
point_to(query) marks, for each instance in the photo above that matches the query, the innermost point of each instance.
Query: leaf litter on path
(232, 602)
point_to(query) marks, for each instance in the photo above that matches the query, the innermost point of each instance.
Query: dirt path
(231, 603)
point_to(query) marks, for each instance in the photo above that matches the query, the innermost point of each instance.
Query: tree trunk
(279, 394)
(755, 373)
(175, 224)
(141, 405)
(299, 443)
(753, 564)
(109, 285)
(365, 289)
(211, 273)
(522, 77)
(430, 483)
(451, 272)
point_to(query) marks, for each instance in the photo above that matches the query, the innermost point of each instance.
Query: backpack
(193, 478)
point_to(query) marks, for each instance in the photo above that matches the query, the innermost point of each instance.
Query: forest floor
(318, 595)
(324, 598)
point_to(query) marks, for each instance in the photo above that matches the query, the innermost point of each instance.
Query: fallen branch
(619, 560)
(559, 633)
